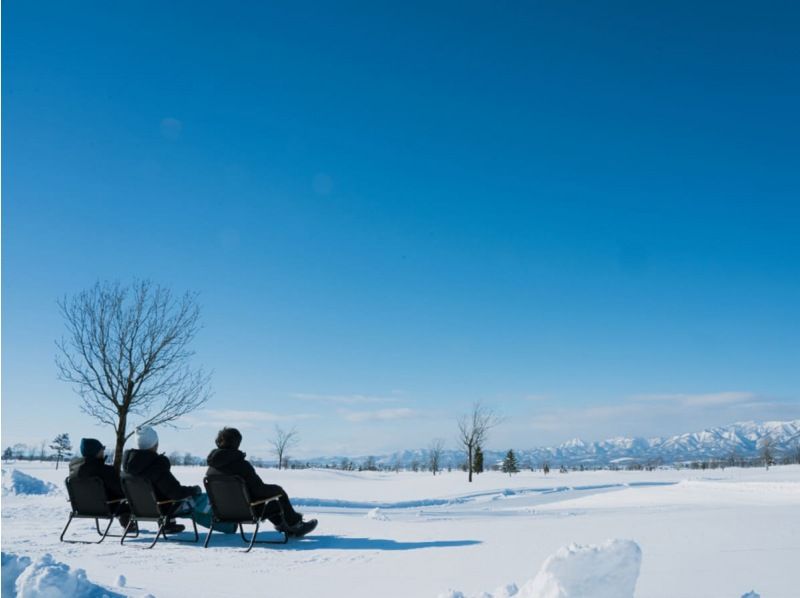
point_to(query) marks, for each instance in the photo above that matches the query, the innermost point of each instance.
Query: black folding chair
(146, 507)
(230, 503)
(88, 500)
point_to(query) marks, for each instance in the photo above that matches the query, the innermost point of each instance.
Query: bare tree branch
(127, 353)
(283, 441)
(435, 451)
(473, 429)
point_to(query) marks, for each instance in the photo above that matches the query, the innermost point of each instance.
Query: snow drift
(609, 570)
(16, 482)
(606, 571)
(47, 578)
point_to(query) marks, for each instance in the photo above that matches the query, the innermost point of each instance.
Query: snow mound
(609, 570)
(47, 578)
(377, 515)
(751, 594)
(16, 482)
(13, 566)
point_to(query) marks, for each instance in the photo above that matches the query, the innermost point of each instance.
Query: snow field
(709, 534)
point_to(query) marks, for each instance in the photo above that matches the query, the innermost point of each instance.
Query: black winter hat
(90, 447)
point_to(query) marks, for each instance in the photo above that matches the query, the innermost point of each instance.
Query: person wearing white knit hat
(146, 438)
(145, 462)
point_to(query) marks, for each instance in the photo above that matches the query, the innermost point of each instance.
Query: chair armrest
(265, 500)
(166, 502)
(116, 500)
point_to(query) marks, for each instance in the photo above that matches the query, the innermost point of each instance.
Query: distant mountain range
(743, 440)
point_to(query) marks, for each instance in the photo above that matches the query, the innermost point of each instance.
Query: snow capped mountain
(743, 440)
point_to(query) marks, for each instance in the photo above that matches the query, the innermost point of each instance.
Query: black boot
(173, 528)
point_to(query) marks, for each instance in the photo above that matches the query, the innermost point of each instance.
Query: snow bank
(47, 578)
(606, 571)
(13, 566)
(16, 482)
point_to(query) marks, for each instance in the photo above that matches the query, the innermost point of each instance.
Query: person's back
(227, 459)
(92, 464)
(145, 462)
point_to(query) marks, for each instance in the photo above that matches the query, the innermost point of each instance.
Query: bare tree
(766, 451)
(473, 429)
(435, 451)
(127, 354)
(282, 442)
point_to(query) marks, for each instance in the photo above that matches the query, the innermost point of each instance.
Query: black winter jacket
(232, 462)
(154, 467)
(90, 467)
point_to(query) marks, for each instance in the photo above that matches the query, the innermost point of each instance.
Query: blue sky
(586, 216)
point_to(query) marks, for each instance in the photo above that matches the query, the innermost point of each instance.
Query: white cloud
(717, 398)
(352, 399)
(379, 415)
(657, 415)
(217, 418)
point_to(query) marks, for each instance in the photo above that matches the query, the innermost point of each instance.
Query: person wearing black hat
(227, 459)
(92, 464)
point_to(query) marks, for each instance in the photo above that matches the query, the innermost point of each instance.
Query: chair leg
(127, 529)
(105, 533)
(253, 539)
(208, 535)
(194, 525)
(65, 529)
(161, 523)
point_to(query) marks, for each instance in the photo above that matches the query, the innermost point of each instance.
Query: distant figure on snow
(92, 464)
(145, 462)
(227, 459)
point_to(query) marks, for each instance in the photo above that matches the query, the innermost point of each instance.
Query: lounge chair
(89, 500)
(146, 507)
(230, 503)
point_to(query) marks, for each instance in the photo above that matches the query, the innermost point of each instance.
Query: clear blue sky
(584, 214)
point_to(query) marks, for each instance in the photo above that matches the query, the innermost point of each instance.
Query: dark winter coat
(91, 467)
(232, 462)
(155, 468)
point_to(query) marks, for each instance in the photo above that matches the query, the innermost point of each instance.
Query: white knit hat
(146, 438)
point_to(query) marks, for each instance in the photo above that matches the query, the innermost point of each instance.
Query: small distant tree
(546, 468)
(435, 451)
(767, 452)
(61, 446)
(473, 428)
(477, 464)
(8, 454)
(282, 441)
(370, 464)
(510, 463)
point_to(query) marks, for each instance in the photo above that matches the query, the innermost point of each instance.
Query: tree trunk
(120, 442)
(469, 465)
(58, 460)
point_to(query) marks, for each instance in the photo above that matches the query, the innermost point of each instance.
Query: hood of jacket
(137, 462)
(221, 458)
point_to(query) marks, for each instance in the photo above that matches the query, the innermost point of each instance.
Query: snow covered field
(700, 534)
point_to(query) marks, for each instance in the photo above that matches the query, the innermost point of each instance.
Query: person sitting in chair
(145, 462)
(227, 459)
(92, 464)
